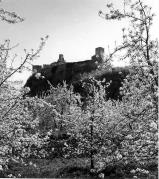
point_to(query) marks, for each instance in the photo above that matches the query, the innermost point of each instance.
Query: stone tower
(61, 59)
(99, 55)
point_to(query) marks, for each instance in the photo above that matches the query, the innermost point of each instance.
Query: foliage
(57, 106)
(139, 106)
(90, 125)
(18, 123)
(10, 17)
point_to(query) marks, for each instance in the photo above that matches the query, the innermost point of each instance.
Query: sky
(73, 26)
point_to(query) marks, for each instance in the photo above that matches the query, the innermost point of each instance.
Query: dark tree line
(71, 74)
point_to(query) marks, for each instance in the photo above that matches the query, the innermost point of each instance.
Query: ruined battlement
(99, 57)
(71, 72)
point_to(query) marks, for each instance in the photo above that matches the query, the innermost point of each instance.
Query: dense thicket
(71, 73)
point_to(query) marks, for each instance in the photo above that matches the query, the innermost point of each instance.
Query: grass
(61, 168)
(56, 168)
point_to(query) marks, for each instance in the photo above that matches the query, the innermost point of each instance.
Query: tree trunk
(92, 162)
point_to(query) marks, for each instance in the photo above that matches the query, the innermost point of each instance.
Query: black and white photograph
(79, 89)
